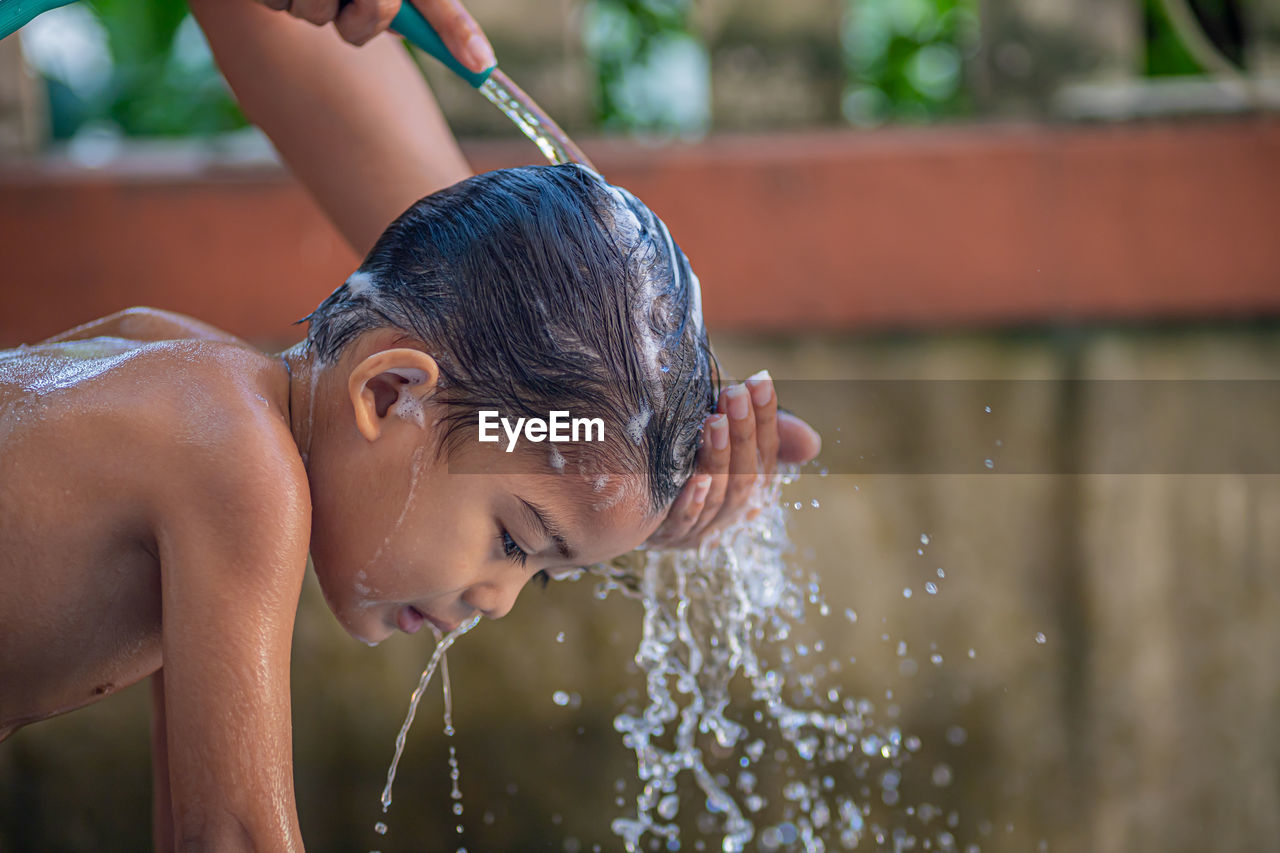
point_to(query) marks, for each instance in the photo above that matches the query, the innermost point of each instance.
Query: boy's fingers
(316, 11)
(797, 441)
(744, 463)
(361, 20)
(713, 460)
(684, 512)
(459, 32)
(765, 404)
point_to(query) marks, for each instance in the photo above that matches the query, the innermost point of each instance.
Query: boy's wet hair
(538, 289)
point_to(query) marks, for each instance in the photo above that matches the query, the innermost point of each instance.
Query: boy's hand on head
(744, 440)
(357, 21)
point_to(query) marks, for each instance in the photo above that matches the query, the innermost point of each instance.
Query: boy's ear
(394, 377)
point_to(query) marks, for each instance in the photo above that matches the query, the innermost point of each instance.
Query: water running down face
(404, 536)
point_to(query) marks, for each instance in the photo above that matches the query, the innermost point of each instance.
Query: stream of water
(524, 112)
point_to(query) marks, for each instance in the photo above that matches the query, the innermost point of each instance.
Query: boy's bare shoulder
(222, 419)
(235, 484)
(184, 426)
(146, 324)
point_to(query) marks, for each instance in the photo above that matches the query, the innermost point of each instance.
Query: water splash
(719, 621)
(442, 646)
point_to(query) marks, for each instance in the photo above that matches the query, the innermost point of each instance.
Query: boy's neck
(303, 377)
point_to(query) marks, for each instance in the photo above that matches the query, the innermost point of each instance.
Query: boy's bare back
(140, 441)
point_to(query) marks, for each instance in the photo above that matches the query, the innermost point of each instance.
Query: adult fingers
(316, 11)
(459, 32)
(361, 20)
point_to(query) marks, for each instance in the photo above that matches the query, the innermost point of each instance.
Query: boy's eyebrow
(551, 529)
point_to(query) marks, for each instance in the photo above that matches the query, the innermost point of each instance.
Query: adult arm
(358, 126)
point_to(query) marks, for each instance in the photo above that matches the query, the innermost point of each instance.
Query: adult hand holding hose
(357, 21)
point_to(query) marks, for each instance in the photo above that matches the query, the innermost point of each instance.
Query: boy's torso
(99, 439)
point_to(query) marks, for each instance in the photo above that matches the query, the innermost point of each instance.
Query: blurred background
(1047, 194)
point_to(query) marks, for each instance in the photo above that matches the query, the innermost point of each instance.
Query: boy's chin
(366, 627)
(358, 619)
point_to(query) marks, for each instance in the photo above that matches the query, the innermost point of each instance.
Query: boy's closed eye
(511, 548)
(520, 556)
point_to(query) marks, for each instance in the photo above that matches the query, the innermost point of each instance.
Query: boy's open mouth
(410, 619)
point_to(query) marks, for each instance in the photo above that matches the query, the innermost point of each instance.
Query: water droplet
(931, 588)
(924, 538)
(936, 659)
(1041, 639)
(457, 809)
(560, 637)
(850, 614)
(973, 653)
(906, 593)
(988, 409)
(941, 573)
(956, 735)
(942, 775)
(989, 463)
(814, 503)
(380, 828)
(560, 698)
(668, 806)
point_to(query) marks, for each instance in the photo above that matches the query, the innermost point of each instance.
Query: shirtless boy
(161, 482)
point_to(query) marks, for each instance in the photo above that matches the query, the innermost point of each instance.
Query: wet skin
(156, 509)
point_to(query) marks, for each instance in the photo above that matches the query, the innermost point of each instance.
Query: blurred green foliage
(1166, 55)
(161, 80)
(905, 58)
(640, 49)
(162, 84)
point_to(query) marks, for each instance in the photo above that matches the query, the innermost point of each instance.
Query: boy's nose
(494, 600)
